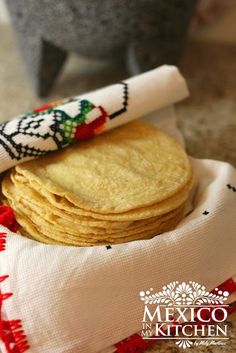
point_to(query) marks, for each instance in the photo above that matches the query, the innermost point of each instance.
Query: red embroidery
(11, 331)
(48, 106)
(2, 241)
(7, 218)
(136, 344)
(229, 286)
(86, 131)
(133, 344)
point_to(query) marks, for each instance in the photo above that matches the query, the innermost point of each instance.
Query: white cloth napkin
(86, 300)
(61, 124)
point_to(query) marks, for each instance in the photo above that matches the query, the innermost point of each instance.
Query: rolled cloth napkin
(60, 124)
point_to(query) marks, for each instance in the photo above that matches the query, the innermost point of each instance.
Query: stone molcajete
(143, 33)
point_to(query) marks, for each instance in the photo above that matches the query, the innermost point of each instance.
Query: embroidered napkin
(70, 300)
(60, 124)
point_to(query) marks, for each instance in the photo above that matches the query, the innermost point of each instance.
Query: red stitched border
(11, 331)
(136, 343)
(2, 241)
(7, 218)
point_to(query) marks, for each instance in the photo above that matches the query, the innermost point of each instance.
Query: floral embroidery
(54, 126)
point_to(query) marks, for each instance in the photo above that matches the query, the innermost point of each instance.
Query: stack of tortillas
(127, 184)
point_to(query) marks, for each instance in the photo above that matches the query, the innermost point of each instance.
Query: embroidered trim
(54, 126)
(230, 187)
(125, 102)
(11, 331)
(2, 241)
(133, 344)
(7, 219)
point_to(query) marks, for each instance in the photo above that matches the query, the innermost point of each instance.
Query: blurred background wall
(3, 12)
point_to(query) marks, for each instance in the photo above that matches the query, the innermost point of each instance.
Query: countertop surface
(207, 119)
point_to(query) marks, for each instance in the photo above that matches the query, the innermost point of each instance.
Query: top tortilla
(132, 166)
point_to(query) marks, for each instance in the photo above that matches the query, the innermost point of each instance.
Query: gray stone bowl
(141, 33)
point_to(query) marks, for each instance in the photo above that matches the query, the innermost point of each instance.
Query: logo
(187, 313)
